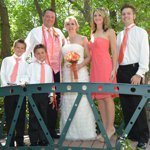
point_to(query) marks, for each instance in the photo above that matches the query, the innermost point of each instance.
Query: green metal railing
(81, 89)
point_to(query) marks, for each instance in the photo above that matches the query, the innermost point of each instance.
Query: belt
(129, 66)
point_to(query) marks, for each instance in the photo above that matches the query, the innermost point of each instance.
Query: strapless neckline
(102, 38)
(75, 44)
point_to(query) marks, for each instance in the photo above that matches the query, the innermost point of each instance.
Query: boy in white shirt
(13, 72)
(39, 72)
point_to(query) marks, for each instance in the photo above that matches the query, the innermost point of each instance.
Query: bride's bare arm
(87, 54)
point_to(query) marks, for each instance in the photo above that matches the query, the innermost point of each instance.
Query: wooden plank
(97, 144)
(67, 142)
(76, 143)
(88, 143)
(133, 144)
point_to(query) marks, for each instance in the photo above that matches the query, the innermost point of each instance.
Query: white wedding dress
(83, 124)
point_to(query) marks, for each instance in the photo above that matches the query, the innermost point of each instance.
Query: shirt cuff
(140, 73)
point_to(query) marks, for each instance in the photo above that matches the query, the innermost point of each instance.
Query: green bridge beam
(81, 89)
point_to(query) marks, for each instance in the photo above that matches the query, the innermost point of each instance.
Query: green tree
(5, 30)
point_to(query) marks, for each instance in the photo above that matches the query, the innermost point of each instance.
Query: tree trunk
(5, 32)
(113, 19)
(38, 8)
(53, 6)
(87, 10)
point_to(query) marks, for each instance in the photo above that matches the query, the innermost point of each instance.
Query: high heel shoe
(101, 139)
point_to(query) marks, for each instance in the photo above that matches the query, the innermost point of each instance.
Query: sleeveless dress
(101, 64)
(83, 125)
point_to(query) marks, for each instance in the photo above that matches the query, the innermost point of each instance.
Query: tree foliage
(26, 14)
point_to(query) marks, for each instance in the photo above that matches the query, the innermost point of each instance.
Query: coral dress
(101, 64)
(83, 124)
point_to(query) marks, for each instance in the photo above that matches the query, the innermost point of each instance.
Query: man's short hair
(128, 6)
(48, 9)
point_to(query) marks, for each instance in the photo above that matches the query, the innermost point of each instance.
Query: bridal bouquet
(73, 58)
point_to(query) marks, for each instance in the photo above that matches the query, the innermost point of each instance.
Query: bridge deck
(84, 144)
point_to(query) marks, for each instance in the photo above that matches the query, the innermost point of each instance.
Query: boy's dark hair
(128, 6)
(19, 41)
(39, 46)
(48, 9)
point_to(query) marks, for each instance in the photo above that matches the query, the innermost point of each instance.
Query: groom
(53, 39)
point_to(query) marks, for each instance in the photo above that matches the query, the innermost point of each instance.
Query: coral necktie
(15, 70)
(123, 45)
(49, 46)
(42, 74)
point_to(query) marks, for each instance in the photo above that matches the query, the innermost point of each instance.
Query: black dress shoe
(42, 143)
(33, 144)
(55, 136)
(20, 144)
(132, 139)
(141, 146)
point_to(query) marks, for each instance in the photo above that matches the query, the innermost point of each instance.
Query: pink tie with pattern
(42, 74)
(15, 70)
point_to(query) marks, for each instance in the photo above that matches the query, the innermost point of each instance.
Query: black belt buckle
(135, 65)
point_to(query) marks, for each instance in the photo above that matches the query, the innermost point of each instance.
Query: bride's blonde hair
(71, 18)
(106, 22)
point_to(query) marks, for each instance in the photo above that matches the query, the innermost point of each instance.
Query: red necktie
(42, 73)
(123, 45)
(15, 70)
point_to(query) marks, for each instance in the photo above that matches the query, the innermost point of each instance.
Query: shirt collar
(15, 56)
(41, 62)
(45, 28)
(130, 26)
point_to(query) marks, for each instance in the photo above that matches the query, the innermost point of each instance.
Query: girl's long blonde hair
(106, 22)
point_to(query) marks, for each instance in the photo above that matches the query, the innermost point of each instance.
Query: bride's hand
(79, 66)
(68, 65)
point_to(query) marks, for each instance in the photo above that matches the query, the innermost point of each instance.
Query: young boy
(13, 72)
(39, 72)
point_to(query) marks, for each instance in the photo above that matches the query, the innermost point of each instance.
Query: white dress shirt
(34, 72)
(137, 48)
(35, 37)
(7, 67)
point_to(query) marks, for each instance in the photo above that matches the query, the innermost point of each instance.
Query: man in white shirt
(132, 68)
(53, 40)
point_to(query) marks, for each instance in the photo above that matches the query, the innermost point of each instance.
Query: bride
(83, 124)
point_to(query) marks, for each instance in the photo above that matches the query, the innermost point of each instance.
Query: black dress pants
(35, 131)
(129, 103)
(10, 104)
